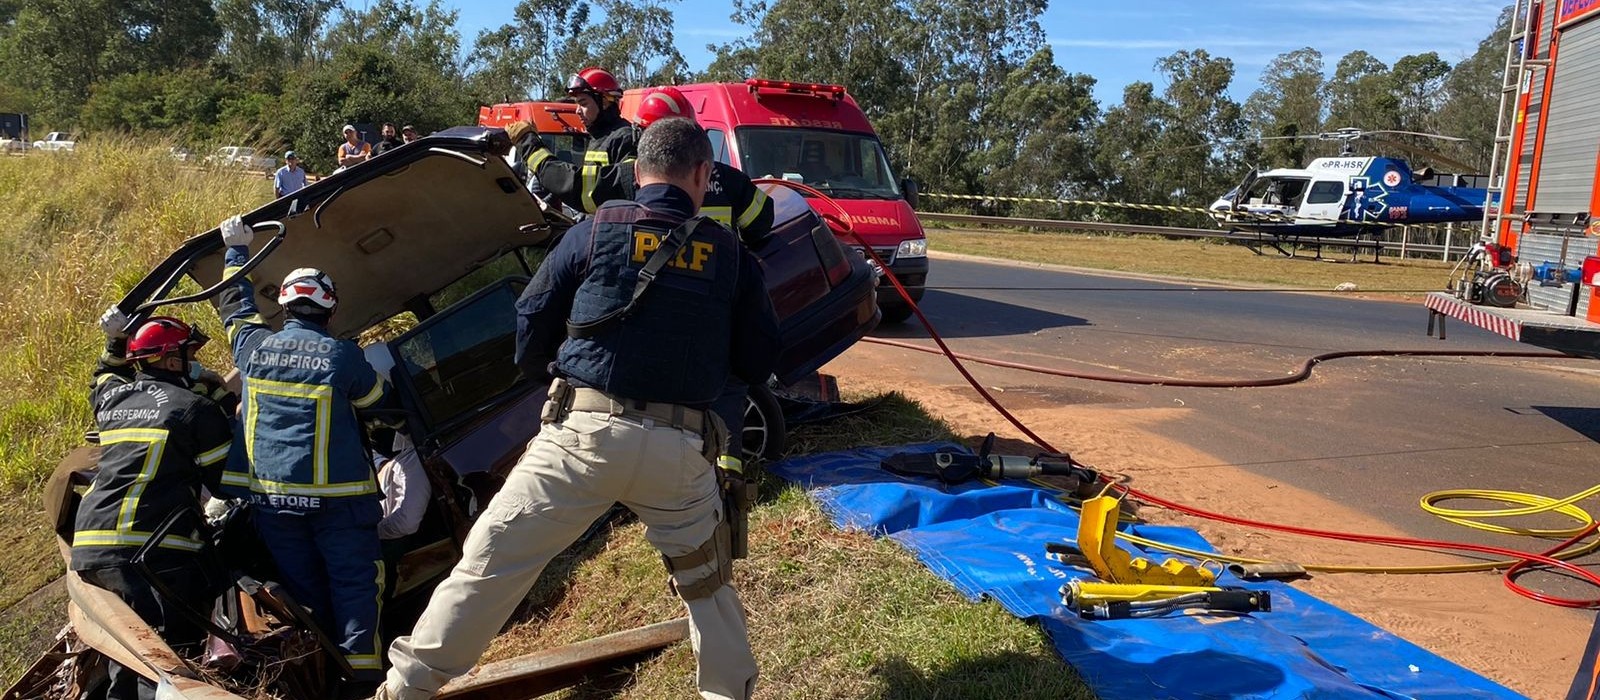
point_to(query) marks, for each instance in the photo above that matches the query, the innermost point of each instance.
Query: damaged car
(431, 246)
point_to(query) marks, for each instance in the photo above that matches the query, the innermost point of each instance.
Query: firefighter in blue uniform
(161, 439)
(612, 141)
(640, 314)
(308, 474)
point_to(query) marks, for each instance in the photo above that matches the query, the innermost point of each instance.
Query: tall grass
(76, 232)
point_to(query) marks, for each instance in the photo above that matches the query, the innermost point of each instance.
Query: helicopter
(1349, 195)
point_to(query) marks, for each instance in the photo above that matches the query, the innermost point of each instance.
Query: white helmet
(309, 284)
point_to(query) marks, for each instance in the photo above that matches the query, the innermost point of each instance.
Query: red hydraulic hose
(1524, 559)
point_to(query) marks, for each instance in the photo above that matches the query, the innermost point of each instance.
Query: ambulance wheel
(764, 430)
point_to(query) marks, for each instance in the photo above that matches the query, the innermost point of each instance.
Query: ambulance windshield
(846, 166)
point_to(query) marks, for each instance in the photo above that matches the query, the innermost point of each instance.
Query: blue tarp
(989, 542)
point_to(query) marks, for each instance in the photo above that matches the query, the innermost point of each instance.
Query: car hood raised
(400, 226)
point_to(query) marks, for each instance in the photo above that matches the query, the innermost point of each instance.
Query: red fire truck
(1534, 276)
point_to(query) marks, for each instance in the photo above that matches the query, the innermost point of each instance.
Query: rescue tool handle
(143, 310)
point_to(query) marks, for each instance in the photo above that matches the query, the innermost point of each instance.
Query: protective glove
(114, 324)
(517, 129)
(235, 232)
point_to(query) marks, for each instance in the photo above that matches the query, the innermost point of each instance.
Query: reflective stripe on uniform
(280, 488)
(371, 397)
(754, 209)
(155, 441)
(233, 326)
(207, 459)
(597, 157)
(114, 538)
(320, 395)
(372, 660)
(588, 179)
(538, 156)
(721, 215)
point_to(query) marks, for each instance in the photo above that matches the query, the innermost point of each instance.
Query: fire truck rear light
(757, 85)
(1591, 269)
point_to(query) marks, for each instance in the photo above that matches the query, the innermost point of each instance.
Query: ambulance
(816, 135)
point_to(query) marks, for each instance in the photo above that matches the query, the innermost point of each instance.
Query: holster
(738, 498)
(558, 401)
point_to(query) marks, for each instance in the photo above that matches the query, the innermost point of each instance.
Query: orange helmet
(595, 81)
(163, 335)
(661, 103)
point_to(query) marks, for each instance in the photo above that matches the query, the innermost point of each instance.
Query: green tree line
(967, 96)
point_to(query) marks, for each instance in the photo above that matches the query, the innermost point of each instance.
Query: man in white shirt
(405, 490)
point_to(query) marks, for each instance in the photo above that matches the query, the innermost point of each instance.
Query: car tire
(764, 430)
(895, 314)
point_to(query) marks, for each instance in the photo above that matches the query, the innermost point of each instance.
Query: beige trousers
(571, 473)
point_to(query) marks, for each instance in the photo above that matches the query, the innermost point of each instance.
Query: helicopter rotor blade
(1435, 156)
(1440, 137)
(1223, 143)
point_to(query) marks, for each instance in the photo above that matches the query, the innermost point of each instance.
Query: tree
(1361, 94)
(56, 49)
(635, 43)
(1472, 97)
(1039, 127)
(266, 39)
(533, 54)
(1198, 118)
(394, 62)
(1288, 104)
(1125, 142)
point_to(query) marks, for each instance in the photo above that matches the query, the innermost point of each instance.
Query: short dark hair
(389, 124)
(673, 148)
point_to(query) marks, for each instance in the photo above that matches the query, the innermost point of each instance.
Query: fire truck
(1534, 275)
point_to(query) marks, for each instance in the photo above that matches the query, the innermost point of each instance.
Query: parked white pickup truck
(56, 141)
(242, 157)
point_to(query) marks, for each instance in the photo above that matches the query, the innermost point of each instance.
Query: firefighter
(160, 442)
(634, 372)
(732, 200)
(309, 477)
(612, 141)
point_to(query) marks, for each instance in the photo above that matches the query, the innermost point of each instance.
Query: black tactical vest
(673, 347)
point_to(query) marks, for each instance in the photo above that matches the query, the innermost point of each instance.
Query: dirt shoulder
(1198, 261)
(1470, 619)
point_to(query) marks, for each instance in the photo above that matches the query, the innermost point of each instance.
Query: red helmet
(163, 335)
(661, 103)
(595, 81)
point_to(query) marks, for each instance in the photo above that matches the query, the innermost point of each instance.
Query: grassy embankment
(76, 231)
(1198, 259)
(832, 614)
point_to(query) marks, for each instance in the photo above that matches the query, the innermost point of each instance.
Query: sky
(1119, 43)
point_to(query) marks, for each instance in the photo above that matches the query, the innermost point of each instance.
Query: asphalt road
(1374, 434)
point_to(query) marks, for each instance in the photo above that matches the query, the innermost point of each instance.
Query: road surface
(1373, 434)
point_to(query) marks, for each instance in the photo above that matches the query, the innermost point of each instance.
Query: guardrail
(1404, 248)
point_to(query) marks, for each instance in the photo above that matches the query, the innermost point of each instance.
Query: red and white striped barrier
(1440, 302)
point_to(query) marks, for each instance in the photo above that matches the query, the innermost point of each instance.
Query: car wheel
(764, 430)
(895, 314)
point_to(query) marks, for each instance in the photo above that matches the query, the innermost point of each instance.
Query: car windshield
(464, 356)
(844, 165)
